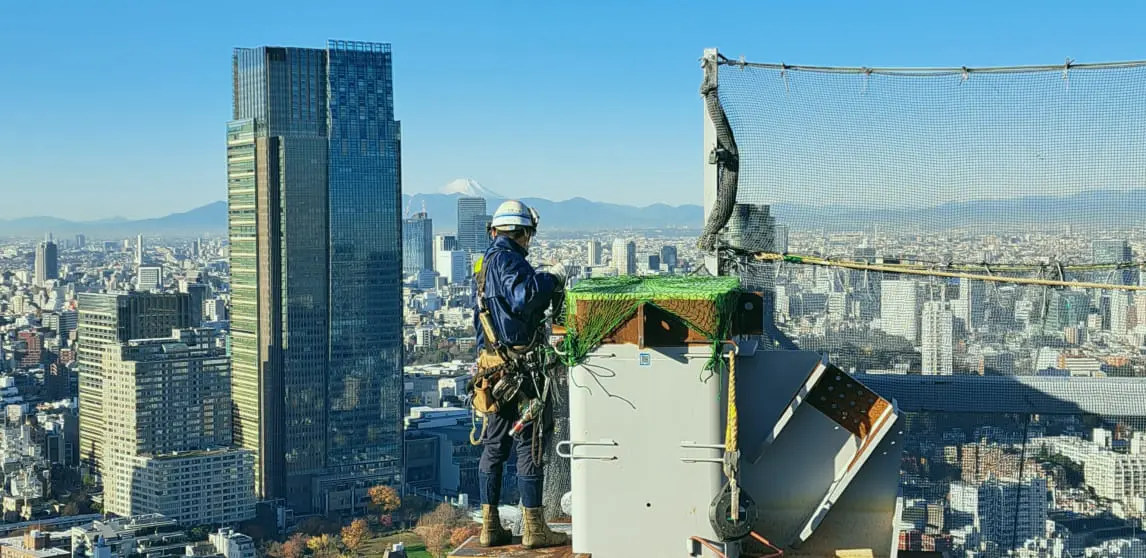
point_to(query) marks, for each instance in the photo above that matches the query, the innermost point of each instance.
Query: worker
(513, 298)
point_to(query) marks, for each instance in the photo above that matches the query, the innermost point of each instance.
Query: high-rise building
(938, 339)
(445, 243)
(1114, 252)
(1067, 309)
(594, 252)
(899, 308)
(669, 257)
(138, 251)
(453, 265)
(110, 319)
(971, 305)
(47, 262)
(167, 431)
(199, 293)
(472, 221)
(314, 177)
(654, 262)
(81, 241)
(1006, 512)
(417, 244)
(625, 256)
(780, 243)
(150, 278)
(1119, 312)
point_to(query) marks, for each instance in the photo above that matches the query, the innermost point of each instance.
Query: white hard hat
(513, 215)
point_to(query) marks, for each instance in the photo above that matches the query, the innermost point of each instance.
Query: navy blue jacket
(515, 294)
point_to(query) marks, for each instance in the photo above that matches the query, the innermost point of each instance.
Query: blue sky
(118, 108)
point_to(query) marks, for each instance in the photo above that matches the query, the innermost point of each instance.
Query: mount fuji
(469, 187)
(577, 214)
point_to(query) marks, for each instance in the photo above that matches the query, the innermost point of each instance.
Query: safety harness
(501, 369)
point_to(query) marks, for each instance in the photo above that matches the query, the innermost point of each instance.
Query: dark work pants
(496, 447)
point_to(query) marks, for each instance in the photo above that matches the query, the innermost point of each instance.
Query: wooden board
(473, 549)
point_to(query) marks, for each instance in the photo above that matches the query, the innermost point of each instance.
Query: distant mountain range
(1098, 207)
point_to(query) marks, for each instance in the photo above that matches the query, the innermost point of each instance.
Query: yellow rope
(473, 428)
(732, 426)
(906, 269)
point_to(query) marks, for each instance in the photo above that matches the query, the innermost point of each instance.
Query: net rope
(613, 300)
(968, 242)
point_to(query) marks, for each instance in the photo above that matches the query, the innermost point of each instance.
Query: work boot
(536, 533)
(492, 533)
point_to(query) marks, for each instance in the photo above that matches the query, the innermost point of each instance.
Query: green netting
(615, 299)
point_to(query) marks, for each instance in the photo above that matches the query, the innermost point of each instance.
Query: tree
(273, 549)
(436, 537)
(323, 546)
(295, 546)
(70, 509)
(355, 534)
(435, 528)
(463, 533)
(385, 498)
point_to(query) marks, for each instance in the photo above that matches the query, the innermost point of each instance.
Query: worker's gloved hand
(557, 270)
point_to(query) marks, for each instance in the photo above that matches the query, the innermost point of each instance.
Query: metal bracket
(694, 445)
(572, 445)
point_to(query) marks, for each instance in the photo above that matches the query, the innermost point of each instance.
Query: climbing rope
(731, 437)
(732, 428)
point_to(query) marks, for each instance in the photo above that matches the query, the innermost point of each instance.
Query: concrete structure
(624, 256)
(110, 319)
(453, 265)
(938, 339)
(1114, 251)
(992, 507)
(594, 258)
(314, 188)
(971, 305)
(1116, 476)
(47, 262)
(780, 239)
(33, 544)
(150, 278)
(139, 252)
(233, 545)
(167, 421)
(127, 537)
(899, 308)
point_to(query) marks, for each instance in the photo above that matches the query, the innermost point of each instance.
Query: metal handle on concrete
(694, 445)
(574, 444)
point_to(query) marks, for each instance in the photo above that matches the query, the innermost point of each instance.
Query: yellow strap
(732, 426)
(473, 429)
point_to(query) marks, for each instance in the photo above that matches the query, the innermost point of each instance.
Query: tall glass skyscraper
(417, 244)
(471, 224)
(314, 186)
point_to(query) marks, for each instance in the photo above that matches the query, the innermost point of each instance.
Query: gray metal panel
(641, 415)
(766, 389)
(1011, 394)
(864, 516)
(792, 477)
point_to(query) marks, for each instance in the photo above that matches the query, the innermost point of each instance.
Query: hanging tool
(733, 512)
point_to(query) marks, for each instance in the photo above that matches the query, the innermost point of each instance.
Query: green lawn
(376, 546)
